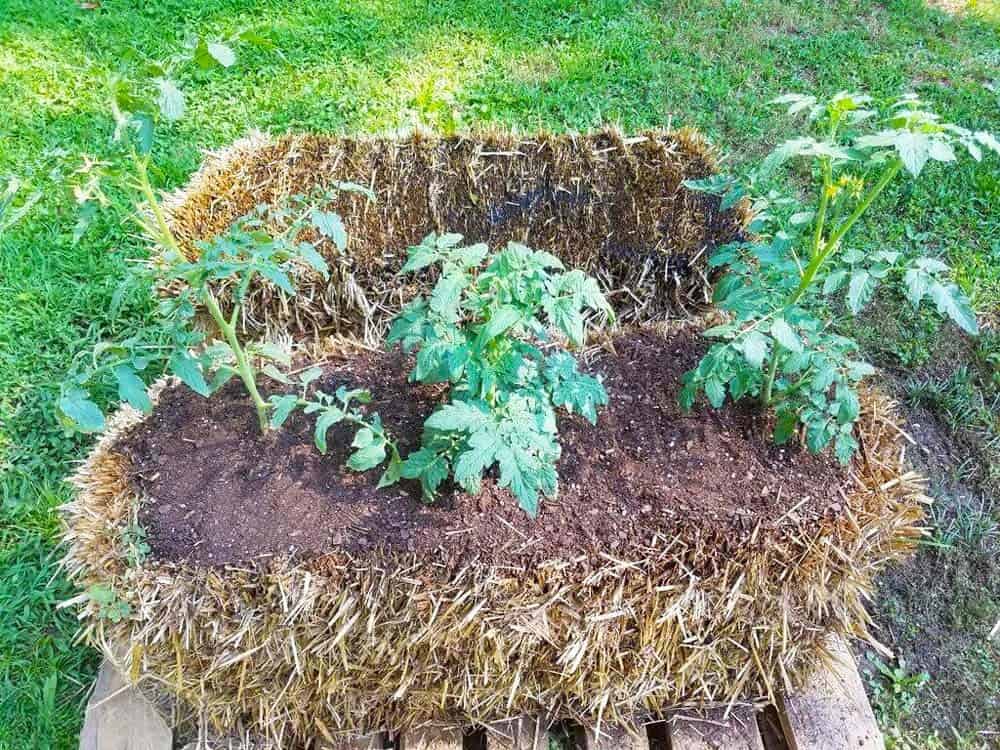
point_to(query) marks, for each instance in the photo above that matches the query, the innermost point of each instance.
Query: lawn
(378, 65)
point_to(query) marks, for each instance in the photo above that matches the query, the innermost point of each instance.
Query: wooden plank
(616, 738)
(432, 739)
(831, 710)
(524, 733)
(364, 742)
(119, 717)
(714, 730)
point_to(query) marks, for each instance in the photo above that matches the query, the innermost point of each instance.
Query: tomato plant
(780, 345)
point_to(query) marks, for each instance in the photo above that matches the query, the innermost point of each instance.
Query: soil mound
(218, 492)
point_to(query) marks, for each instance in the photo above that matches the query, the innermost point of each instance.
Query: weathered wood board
(831, 710)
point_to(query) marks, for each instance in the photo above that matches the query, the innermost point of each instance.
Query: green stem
(772, 372)
(818, 258)
(243, 367)
(166, 236)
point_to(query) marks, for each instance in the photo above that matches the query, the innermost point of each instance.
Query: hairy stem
(166, 237)
(243, 367)
(820, 256)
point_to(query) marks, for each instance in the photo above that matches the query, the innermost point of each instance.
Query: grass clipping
(611, 205)
(335, 646)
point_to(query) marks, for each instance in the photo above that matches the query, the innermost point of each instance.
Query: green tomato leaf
(860, 290)
(189, 371)
(329, 224)
(330, 416)
(785, 335)
(393, 472)
(754, 346)
(784, 427)
(834, 280)
(917, 285)
(131, 388)
(953, 303)
(171, 100)
(308, 252)
(715, 390)
(85, 415)
(281, 407)
(458, 416)
(367, 457)
(278, 277)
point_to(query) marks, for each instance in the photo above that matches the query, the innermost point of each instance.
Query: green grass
(377, 65)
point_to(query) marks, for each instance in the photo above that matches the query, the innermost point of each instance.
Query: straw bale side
(338, 645)
(611, 205)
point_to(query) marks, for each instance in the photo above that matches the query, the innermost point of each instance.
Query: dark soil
(217, 492)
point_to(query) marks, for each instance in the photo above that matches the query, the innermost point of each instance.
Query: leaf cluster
(483, 329)
(176, 341)
(784, 288)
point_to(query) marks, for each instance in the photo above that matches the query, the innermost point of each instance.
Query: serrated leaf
(420, 256)
(499, 323)
(715, 390)
(430, 467)
(308, 252)
(273, 352)
(393, 472)
(281, 407)
(784, 427)
(857, 369)
(330, 416)
(917, 285)
(913, 150)
(330, 224)
(844, 447)
(367, 457)
(221, 53)
(834, 280)
(85, 415)
(187, 369)
(308, 376)
(582, 394)
(447, 293)
(131, 388)
(953, 303)
(785, 335)
(860, 290)
(458, 416)
(848, 406)
(480, 455)
(754, 346)
(170, 100)
(279, 278)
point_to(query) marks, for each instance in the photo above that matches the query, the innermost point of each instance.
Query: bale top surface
(218, 492)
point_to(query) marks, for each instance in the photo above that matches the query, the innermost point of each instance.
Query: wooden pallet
(830, 713)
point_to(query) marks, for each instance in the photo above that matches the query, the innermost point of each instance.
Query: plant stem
(818, 258)
(765, 396)
(166, 236)
(243, 367)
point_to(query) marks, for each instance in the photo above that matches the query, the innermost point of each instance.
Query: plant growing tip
(778, 345)
(481, 330)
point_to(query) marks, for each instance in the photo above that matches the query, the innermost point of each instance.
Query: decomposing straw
(613, 206)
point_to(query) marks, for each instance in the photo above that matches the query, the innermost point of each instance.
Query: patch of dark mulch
(218, 492)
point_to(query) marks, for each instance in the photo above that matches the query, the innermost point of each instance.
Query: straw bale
(611, 205)
(292, 650)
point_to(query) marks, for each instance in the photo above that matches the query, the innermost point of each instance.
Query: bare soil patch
(217, 492)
